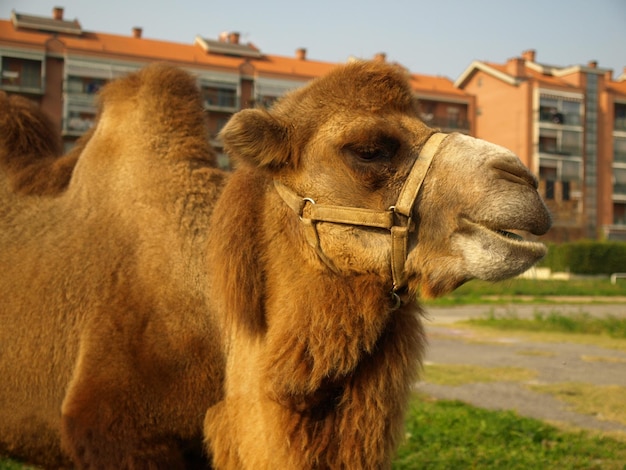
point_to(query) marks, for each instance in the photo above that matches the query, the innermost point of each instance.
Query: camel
(32, 148)
(156, 304)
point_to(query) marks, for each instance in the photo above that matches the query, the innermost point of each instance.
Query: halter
(397, 219)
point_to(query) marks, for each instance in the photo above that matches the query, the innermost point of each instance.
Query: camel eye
(379, 151)
(372, 155)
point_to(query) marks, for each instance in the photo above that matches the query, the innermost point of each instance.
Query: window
(569, 170)
(219, 97)
(619, 180)
(571, 142)
(619, 213)
(548, 143)
(560, 110)
(548, 175)
(80, 122)
(572, 113)
(619, 150)
(547, 109)
(89, 86)
(22, 73)
(566, 190)
(452, 114)
(620, 117)
(216, 125)
(560, 142)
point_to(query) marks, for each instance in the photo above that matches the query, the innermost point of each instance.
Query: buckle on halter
(402, 220)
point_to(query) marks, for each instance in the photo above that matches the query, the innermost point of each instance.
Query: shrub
(586, 257)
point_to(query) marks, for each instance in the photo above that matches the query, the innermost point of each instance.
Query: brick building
(61, 66)
(568, 125)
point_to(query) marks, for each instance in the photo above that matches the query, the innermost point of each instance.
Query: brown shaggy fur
(30, 149)
(157, 301)
(108, 355)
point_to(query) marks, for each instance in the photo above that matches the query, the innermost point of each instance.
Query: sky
(437, 37)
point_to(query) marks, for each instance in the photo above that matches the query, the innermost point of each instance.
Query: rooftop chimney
(380, 57)
(593, 64)
(57, 13)
(529, 55)
(137, 32)
(301, 53)
(233, 38)
(516, 66)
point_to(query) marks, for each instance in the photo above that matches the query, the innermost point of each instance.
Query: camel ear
(255, 137)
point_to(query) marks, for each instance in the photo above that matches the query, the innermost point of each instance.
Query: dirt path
(553, 362)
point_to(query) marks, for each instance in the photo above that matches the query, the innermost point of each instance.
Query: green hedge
(586, 257)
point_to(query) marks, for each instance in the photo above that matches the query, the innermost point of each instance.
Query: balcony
(561, 150)
(619, 124)
(22, 75)
(84, 86)
(619, 188)
(447, 123)
(619, 157)
(78, 125)
(566, 119)
(220, 99)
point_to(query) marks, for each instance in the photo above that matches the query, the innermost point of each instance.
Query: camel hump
(31, 148)
(28, 134)
(157, 88)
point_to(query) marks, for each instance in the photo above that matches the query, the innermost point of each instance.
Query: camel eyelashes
(371, 155)
(379, 151)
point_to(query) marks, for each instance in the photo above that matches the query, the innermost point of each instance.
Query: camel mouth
(510, 234)
(519, 238)
(511, 243)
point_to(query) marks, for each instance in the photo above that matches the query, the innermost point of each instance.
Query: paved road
(553, 362)
(463, 312)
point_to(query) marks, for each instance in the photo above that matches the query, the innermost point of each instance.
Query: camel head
(345, 151)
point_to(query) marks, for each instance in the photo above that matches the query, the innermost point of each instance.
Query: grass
(7, 464)
(528, 290)
(608, 402)
(553, 321)
(450, 434)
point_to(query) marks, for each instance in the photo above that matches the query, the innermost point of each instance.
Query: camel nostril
(516, 173)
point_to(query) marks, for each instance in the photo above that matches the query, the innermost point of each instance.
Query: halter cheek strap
(404, 208)
(397, 219)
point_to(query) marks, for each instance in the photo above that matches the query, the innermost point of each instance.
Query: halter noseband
(397, 219)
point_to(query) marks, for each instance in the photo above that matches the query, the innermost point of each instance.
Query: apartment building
(568, 125)
(61, 66)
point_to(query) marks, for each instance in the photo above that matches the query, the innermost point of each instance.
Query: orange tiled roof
(143, 49)
(618, 87)
(288, 66)
(549, 80)
(542, 78)
(28, 38)
(438, 84)
(536, 75)
(120, 47)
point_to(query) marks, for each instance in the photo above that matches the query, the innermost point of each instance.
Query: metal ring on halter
(397, 301)
(304, 201)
